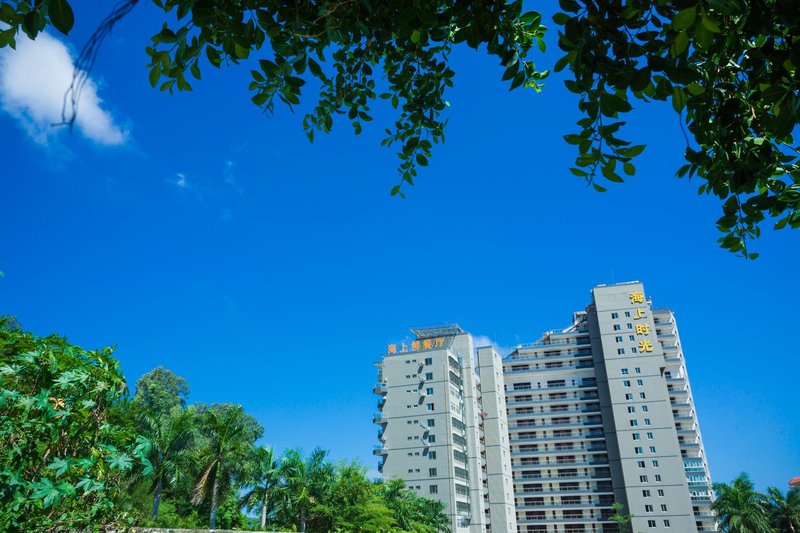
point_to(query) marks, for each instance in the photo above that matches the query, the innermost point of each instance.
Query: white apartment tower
(440, 430)
(596, 413)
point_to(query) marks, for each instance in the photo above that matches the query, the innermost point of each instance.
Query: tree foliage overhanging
(729, 68)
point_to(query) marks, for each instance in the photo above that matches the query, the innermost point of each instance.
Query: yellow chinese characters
(645, 346)
(424, 344)
(639, 314)
(636, 297)
(642, 329)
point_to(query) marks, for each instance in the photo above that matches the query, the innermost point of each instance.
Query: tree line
(77, 453)
(742, 509)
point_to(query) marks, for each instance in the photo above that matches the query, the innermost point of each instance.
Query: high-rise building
(596, 413)
(440, 433)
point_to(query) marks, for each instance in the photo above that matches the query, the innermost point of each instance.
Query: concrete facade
(560, 429)
(434, 433)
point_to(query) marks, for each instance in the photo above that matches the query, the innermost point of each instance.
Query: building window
(626, 383)
(618, 339)
(652, 449)
(432, 472)
(647, 422)
(637, 369)
(655, 463)
(629, 396)
(429, 406)
(434, 489)
(620, 351)
(649, 435)
(651, 523)
(666, 523)
(634, 350)
(616, 327)
(429, 391)
(428, 375)
(636, 436)
(658, 478)
(428, 360)
(646, 493)
(644, 409)
(648, 508)
(431, 438)
(614, 315)
(627, 314)
(634, 423)
(642, 396)
(640, 464)
(643, 479)
(631, 338)
(664, 507)
(624, 371)
(660, 493)
(431, 422)
(630, 326)
(640, 382)
(638, 450)
(631, 409)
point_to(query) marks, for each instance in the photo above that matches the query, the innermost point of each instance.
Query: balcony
(378, 418)
(380, 449)
(380, 388)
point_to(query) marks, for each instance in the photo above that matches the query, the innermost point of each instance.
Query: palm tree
(784, 511)
(171, 437)
(740, 508)
(305, 482)
(264, 476)
(229, 435)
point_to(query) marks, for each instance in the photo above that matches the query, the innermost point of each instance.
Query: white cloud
(482, 340)
(33, 81)
(180, 181)
(230, 177)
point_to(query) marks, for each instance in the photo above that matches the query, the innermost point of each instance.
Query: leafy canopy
(65, 457)
(729, 68)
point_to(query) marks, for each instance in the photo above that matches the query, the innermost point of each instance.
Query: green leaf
(632, 151)
(628, 168)
(710, 24)
(680, 44)
(60, 465)
(61, 15)
(684, 19)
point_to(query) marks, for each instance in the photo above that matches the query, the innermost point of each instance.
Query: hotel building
(596, 413)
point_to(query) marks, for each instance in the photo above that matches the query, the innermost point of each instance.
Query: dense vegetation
(729, 69)
(77, 454)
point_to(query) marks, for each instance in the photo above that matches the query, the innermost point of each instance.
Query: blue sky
(194, 232)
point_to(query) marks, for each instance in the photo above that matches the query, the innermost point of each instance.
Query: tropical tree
(65, 456)
(228, 435)
(739, 508)
(622, 520)
(172, 439)
(305, 483)
(160, 391)
(784, 511)
(729, 70)
(412, 512)
(353, 503)
(263, 478)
